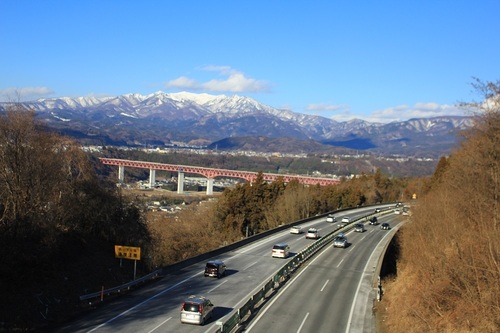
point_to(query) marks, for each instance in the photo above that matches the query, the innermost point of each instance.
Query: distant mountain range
(232, 122)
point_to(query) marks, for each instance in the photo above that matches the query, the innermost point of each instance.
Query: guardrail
(98, 296)
(116, 290)
(282, 275)
(284, 271)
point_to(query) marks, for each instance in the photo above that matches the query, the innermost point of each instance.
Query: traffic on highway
(326, 284)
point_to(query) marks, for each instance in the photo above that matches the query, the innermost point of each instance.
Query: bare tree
(449, 269)
(36, 166)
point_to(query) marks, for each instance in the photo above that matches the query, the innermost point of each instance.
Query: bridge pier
(180, 182)
(152, 178)
(121, 173)
(210, 186)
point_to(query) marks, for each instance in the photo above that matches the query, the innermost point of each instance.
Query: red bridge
(210, 173)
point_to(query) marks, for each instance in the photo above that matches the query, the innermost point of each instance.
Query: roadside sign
(127, 252)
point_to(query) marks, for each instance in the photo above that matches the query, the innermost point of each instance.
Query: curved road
(156, 308)
(320, 297)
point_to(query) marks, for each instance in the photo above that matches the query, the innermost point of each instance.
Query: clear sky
(373, 60)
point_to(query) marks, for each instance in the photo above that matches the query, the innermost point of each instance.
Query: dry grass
(449, 272)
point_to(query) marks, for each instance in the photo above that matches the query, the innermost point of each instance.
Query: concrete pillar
(152, 178)
(121, 172)
(180, 182)
(210, 186)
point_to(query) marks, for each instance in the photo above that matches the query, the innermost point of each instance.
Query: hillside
(448, 273)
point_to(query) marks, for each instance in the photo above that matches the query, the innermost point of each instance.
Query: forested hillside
(448, 276)
(58, 225)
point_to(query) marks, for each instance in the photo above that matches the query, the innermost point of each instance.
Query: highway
(319, 298)
(156, 307)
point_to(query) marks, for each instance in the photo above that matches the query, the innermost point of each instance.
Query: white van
(281, 250)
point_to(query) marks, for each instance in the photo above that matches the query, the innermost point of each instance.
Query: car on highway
(385, 226)
(196, 310)
(330, 218)
(281, 250)
(296, 229)
(377, 210)
(340, 241)
(359, 227)
(373, 220)
(346, 219)
(215, 268)
(312, 233)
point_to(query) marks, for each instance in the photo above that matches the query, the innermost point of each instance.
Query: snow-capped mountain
(161, 117)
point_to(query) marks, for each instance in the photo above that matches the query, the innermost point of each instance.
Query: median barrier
(281, 276)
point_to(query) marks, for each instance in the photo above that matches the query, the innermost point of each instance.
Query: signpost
(128, 252)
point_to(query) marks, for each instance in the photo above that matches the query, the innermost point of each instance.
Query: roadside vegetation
(60, 219)
(58, 224)
(448, 274)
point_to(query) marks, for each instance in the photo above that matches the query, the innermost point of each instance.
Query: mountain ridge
(134, 119)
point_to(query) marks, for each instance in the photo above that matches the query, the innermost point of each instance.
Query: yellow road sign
(128, 252)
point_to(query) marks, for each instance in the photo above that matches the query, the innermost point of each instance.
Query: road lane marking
(237, 252)
(352, 248)
(303, 322)
(340, 263)
(163, 322)
(325, 285)
(359, 285)
(247, 267)
(143, 302)
(217, 286)
(282, 290)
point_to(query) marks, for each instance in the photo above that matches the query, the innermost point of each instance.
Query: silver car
(312, 233)
(196, 310)
(281, 250)
(340, 241)
(359, 227)
(330, 218)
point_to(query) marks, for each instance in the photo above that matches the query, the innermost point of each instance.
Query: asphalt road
(326, 294)
(156, 308)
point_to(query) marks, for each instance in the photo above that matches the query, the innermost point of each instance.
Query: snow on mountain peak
(200, 99)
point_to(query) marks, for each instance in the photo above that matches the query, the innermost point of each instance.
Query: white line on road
(359, 286)
(325, 285)
(352, 248)
(249, 265)
(217, 286)
(144, 302)
(163, 322)
(303, 322)
(287, 285)
(340, 263)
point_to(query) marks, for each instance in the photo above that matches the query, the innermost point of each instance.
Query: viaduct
(210, 173)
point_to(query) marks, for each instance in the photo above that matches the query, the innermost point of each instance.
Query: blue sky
(373, 60)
